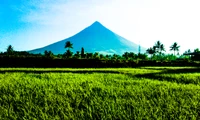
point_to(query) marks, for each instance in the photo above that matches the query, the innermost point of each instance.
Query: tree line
(156, 52)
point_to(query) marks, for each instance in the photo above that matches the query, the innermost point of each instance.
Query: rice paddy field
(111, 93)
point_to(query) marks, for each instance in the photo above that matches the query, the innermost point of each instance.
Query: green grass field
(122, 93)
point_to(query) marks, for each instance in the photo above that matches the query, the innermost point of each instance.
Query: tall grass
(98, 95)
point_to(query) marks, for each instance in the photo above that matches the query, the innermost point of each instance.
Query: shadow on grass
(171, 68)
(61, 71)
(181, 70)
(158, 76)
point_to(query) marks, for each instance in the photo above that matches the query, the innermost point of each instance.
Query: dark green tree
(69, 46)
(60, 56)
(89, 55)
(126, 55)
(168, 57)
(151, 51)
(48, 54)
(115, 57)
(159, 48)
(68, 54)
(96, 55)
(82, 53)
(132, 55)
(10, 50)
(77, 55)
(108, 57)
(174, 47)
(142, 56)
(196, 50)
(101, 56)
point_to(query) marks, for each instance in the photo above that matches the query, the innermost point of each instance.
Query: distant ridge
(94, 38)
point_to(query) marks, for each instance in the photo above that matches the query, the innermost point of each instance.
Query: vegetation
(196, 50)
(128, 59)
(10, 50)
(82, 53)
(151, 51)
(48, 54)
(142, 93)
(159, 47)
(69, 46)
(174, 48)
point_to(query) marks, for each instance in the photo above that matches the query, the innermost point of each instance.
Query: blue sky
(30, 24)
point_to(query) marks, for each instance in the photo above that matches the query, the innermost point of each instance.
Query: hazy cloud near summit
(59, 12)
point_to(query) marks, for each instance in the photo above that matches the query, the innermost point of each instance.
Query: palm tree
(174, 47)
(159, 47)
(158, 43)
(68, 45)
(151, 51)
(189, 51)
(162, 48)
(10, 49)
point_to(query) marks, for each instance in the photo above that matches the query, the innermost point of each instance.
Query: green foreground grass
(140, 93)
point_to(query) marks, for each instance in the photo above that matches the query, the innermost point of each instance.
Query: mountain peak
(97, 23)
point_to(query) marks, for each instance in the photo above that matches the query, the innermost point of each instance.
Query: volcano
(95, 38)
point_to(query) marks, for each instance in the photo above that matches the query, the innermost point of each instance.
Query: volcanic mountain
(95, 38)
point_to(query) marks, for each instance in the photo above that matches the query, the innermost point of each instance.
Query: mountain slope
(95, 38)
